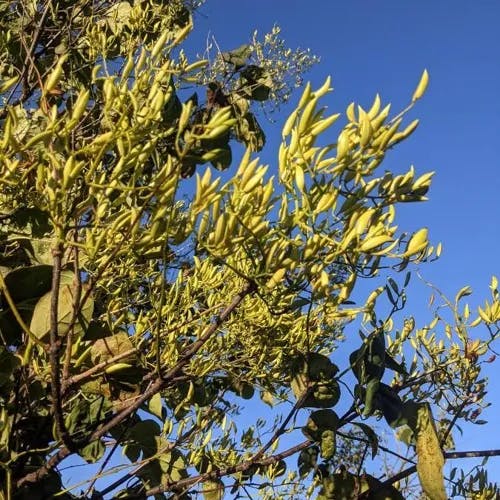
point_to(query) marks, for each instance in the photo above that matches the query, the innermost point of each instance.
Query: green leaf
(256, 83)
(144, 435)
(173, 465)
(108, 347)
(8, 364)
(320, 421)
(243, 389)
(237, 57)
(371, 436)
(30, 221)
(370, 393)
(40, 322)
(317, 371)
(173, 107)
(267, 397)
(340, 486)
(29, 282)
(93, 452)
(391, 406)
(392, 364)
(377, 490)
(249, 132)
(405, 435)
(223, 159)
(118, 16)
(11, 331)
(213, 490)
(307, 460)
(155, 405)
(430, 456)
(327, 444)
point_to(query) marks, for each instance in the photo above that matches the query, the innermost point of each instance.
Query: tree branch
(156, 386)
(183, 484)
(76, 307)
(55, 345)
(447, 455)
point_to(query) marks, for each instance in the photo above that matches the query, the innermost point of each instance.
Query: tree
(144, 298)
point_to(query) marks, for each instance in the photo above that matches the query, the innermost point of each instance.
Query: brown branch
(156, 386)
(76, 307)
(55, 345)
(96, 369)
(471, 454)
(183, 484)
(447, 455)
(381, 447)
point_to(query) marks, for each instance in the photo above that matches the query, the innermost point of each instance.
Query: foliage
(278, 68)
(143, 301)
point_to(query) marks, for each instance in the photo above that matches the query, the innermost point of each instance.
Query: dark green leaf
(392, 364)
(31, 222)
(213, 490)
(320, 421)
(29, 282)
(223, 159)
(307, 460)
(249, 132)
(93, 451)
(371, 436)
(237, 57)
(371, 391)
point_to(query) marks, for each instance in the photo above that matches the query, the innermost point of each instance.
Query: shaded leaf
(93, 452)
(371, 436)
(213, 490)
(249, 132)
(237, 57)
(320, 421)
(40, 322)
(307, 460)
(155, 405)
(29, 282)
(108, 347)
(223, 159)
(315, 372)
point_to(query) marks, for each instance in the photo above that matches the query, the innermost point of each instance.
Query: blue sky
(369, 47)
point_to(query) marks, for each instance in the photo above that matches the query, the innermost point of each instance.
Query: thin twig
(183, 484)
(282, 428)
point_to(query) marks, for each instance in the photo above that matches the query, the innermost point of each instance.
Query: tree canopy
(149, 304)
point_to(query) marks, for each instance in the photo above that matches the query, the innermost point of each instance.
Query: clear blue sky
(383, 46)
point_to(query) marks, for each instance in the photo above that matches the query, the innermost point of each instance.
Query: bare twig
(282, 428)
